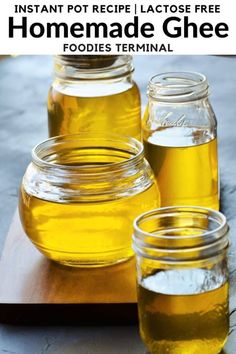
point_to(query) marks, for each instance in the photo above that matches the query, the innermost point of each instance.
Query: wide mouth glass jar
(80, 195)
(182, 276)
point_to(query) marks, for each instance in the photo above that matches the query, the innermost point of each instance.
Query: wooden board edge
(69, 314)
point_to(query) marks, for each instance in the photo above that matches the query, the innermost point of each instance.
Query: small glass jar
(180, 139)
(182, 280)
(94, 93)
(80, 195)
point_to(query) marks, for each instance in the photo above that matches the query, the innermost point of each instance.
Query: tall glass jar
(94, 94)
(180, 139)
(182, 275)
(80, 195)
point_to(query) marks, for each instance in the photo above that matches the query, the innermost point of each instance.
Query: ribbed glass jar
(93, 94)
(180, 139)
(182, 280)
(80, 195)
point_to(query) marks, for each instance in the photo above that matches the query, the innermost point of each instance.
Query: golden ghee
(116, 113)
(187, 174)
(101, 231)
(183, 324)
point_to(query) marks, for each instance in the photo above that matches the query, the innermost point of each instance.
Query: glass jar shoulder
(71, 188)
(198, 113)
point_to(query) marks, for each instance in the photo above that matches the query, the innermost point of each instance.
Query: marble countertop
(24, 83)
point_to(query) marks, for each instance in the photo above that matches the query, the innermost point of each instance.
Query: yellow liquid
(116, 113)
(184, 324)
(186, 175)
(86, 234)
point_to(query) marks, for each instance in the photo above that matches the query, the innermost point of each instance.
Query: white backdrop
(43, 45)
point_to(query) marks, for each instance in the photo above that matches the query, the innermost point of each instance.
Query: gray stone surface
(24, 82)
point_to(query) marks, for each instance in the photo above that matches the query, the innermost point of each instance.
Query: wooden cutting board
(34, 290)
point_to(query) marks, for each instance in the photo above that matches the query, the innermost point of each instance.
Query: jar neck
(92, 67)
(81, 154)
(178, 87)
(79, 168)
(181, 234)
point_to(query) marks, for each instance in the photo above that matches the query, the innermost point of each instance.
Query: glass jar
(80, 195)
(182, 280)
(93, 94)
(180, 139)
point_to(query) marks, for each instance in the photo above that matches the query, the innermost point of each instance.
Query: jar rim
(178, 86)
(130, 144)
(209, 242)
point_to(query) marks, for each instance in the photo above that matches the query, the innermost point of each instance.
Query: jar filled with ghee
(94, 93)
(80, 195)
(183, 280)
(180, 139)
